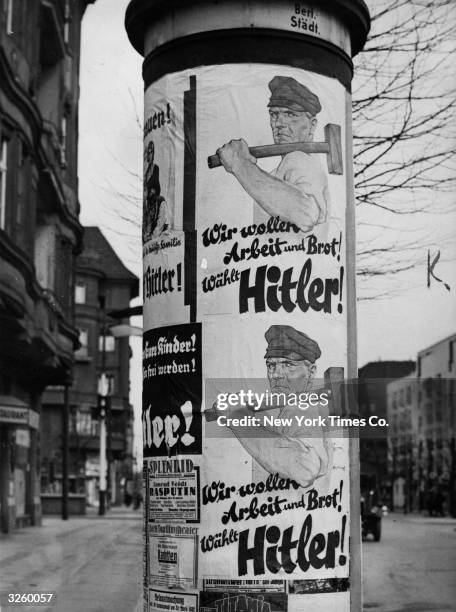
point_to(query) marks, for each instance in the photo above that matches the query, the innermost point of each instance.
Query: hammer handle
(272, 150)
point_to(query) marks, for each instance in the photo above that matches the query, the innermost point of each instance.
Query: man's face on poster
(289, 375)
(291, 125)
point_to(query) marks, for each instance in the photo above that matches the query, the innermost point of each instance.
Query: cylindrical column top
(152, 23)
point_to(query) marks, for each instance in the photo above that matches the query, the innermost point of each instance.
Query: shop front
(19, 506)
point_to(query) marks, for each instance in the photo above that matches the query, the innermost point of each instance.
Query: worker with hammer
(297, 190)
(288, 449)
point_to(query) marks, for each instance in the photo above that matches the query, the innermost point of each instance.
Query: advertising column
(249, 305)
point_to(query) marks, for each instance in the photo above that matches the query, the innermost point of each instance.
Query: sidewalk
(91, 563)
(423, 519)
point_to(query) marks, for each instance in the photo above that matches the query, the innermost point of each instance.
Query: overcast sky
(110, 156)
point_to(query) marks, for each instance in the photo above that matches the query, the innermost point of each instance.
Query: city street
(95, 564)
(412, 568)
(92, 563)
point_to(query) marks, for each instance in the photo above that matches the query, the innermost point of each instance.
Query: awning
(17, 412)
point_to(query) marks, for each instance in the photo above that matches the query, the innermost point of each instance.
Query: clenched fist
(234, 154)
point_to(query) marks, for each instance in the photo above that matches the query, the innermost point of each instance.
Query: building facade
(40, 234)
(403, 435)
(372, 398)
(422, 409)
(103, 284)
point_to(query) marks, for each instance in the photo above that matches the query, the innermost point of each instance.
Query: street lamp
(103, 389)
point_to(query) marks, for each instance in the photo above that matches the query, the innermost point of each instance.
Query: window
(109, 344)
(83, 351)
(80, 293)
(21, 163)
(23, 219)
(428, 387)
(111, 383)
(15, 189)
(84, 338)
(14, 18)
(64, 274)
(63, 141)
(9, 16)
(450, 356)
(84, 422)
(3, 176)
(44, 252)
(394, 422)
(66, 24)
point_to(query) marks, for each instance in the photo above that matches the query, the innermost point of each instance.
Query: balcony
(33, 332)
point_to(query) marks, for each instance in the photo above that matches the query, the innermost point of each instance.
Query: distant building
(422, 438)
(372, 397)
(40, 234)
(103, 284)
(437, 406)
(403, 434)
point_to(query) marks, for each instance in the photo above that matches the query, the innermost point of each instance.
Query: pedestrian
(137, 500)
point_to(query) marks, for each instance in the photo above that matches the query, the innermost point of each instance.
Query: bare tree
(404, 138)
(404, 143)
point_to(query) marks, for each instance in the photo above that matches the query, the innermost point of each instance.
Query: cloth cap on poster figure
(286, 341)
(288, 93)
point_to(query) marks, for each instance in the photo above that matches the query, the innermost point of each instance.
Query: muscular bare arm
(275, 196)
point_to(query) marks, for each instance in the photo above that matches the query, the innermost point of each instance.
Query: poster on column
(172, 390)
(169, 601)
(174, 491)
(173, 556)
(263, 250)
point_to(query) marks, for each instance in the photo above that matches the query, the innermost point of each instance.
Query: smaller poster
(172, 601)
(173, 555)
(172, 390)
(320, 602)
(174, 491)
(165, 280)
(241, 602)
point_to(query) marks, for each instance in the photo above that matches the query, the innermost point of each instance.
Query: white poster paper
(245, 189)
